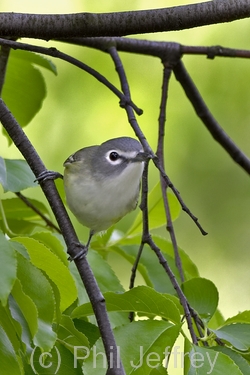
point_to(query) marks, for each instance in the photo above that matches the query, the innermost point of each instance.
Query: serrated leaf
(203, 360)
(202, 295)
(37, 287)
(26, 306)
(18, 176)
(55, 243)
(156, 211)
(9, 361)
(11, 328)
(142, 346)
(241, 362)
(44, 259)
(8, 268)
(69, 336)
(141, 299)
(237, 334)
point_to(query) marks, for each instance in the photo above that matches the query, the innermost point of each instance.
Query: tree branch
(167, 71)
(207, 118)
(48, 186)
(63, 56)
(49, 26)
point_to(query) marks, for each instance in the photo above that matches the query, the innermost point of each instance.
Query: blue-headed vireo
(102, 183)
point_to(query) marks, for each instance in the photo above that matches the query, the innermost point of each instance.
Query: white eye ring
(113, 157)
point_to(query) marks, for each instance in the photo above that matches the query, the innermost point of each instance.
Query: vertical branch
(160, 153)
(145, 228)
(146, 237)
(125, 89)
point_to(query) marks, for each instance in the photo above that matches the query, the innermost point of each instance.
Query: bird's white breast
(100, 204)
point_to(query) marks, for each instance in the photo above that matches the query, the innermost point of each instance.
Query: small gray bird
(102, 183)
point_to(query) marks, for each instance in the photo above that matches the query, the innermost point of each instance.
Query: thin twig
(146, 238)
(145, 228)
(207, 118)
(160, 153)
(63, 56)
(175, 284)
(37, 211)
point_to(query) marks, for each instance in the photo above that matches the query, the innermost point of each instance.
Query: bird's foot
(82, 253)
(48, 175)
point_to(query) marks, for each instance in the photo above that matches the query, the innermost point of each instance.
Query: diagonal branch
(63, 56)
(49, 26)
(48, 186)
(207, 118)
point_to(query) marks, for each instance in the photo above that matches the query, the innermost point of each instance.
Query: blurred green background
(79, 111)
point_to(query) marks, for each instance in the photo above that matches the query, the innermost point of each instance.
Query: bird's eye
(113, 156)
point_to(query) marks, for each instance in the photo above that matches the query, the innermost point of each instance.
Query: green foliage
(24, 89)
(46, 320)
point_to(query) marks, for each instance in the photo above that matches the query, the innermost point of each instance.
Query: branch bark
(49, 26)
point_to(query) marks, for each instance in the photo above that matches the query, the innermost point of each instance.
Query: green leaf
(58, 361)
(155, 272)
(42, 257)
(18, 175)
(105, 276)
(26, 306)
(237, 334)
(142, 345)
(9, 360)
(150, 269)
(156, 211)
(24, 89)
(160, 370)
(20, 218)
(91, 331)
(122, 251)
(189, 268)
(37, 287)
(55, 243)
(202, 295)
(217, 320)
(8, 268)
(16, 208)
(3, 173)
(141, 299)
(201, 361)
(241, 362)
(242, 317)
(69, 336)
(36, 59)
(12, 328)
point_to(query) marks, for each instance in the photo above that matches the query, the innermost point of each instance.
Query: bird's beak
(140, 157)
